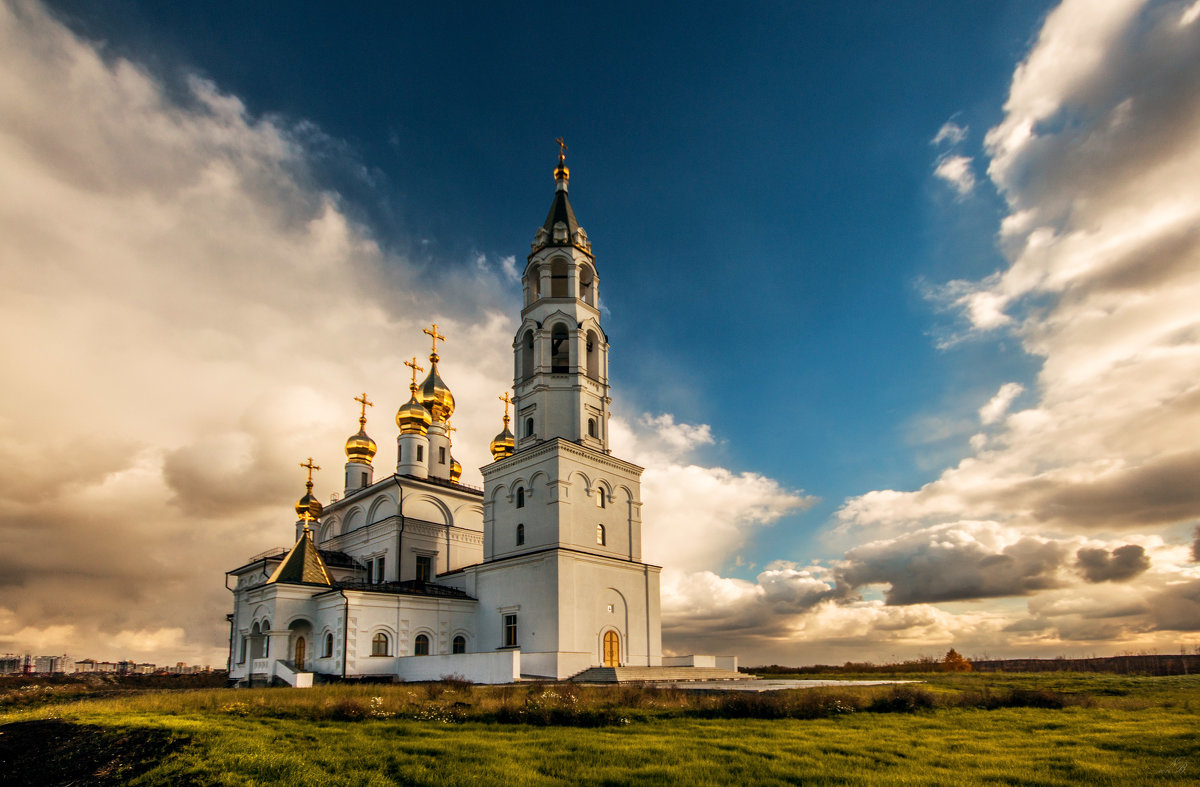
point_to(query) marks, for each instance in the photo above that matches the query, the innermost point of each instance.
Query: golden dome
(455, 470)
(413, 418)
(504, 443)
(309, 503)
(435, 395)
(309, 506)
(361, 448)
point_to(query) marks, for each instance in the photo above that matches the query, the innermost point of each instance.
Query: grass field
(1049, 728)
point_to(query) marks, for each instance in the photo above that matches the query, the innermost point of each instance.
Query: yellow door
(300, 654)
(612, 649)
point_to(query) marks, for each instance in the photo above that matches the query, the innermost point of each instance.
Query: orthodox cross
(562, 147)
(413, 365)
(433, 334)
(365, 404)
(507, 402)
(309, 466)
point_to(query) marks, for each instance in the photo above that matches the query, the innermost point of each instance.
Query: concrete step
(655, 674)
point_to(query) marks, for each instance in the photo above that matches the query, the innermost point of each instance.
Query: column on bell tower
(560, 351)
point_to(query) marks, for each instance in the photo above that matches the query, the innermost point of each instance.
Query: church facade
(417, 576)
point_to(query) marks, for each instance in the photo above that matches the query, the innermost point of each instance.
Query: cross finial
(362, 419)
(507, 401)
(309, 466)
(415, 368)
(432, 332)
(562, 148)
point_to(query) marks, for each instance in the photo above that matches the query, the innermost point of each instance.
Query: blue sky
(761, 179)
(798, 226)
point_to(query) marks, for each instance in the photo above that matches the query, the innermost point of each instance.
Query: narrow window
(520, 497)
(421, 645)
(600, 498)
(363, 483)
(424, 568)
(328, 652)
(527, 356)
(400, 453)
(560, 350)
(591, 427)
(242, 658)
(379, 644)
(441, 455)
(529, 427)
(370, 572)
(520, 535)
(600, 535)
(379, 570)
(460, 644)
(510, 631)
(420, 453)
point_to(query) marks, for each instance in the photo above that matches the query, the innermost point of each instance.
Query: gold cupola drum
(433, 393)
(504, 443)
(360, 447)
(412, 417)
(308, 508)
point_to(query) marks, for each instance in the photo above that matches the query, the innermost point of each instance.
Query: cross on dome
(365, 404)
(415, 368)
(433, 334)
(309, 466)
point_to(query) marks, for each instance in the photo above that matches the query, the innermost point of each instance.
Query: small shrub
(902, 699)
(348, 709)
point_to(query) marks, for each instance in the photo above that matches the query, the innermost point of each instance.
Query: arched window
(421, 645)
(266, 627)
(379, 644)
(527, 354)
(593, 355)
(591, 427)
(529, 427)
(520, 497)
(600, 501)
(600, 535)
(520, 535)
(560, 350)
(460, 644)
(328, 652)
(587, 292)
(558, 279)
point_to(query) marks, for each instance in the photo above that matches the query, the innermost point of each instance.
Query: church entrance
(612, 649)
(300, 648)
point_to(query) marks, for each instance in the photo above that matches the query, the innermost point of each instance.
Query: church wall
(496, 667)
(401, 618)
(528, 588)
(599, 595)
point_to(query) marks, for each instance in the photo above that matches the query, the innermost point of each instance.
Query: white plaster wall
(496, 667)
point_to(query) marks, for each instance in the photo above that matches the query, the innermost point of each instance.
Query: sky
(901, 300)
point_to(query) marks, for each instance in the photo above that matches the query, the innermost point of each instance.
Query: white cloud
(998, 405)
(956, 170)
(950, 133)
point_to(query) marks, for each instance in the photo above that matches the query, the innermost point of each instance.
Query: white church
(416, 576)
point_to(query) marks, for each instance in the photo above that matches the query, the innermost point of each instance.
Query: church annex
(417, 576)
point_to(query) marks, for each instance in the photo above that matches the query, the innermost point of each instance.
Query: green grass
(1112, 730)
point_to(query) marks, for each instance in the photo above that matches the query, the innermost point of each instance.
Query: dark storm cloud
(951, 564)
(1100, 565)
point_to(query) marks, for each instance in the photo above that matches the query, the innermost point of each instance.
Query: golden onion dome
(503, 444)
(413, 418)
(310, 504)
(455, 470)
(360, 448)
(435, 395)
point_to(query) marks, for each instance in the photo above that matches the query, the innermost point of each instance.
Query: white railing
(260, 667)
(289, 675)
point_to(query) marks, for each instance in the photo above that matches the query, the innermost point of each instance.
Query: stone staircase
(655, 674)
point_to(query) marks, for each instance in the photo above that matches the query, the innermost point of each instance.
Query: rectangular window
(370, 571)
(379, 570)
(420, 453)
(424, 568)
(510, 631)
(242, 659)
(441, 455)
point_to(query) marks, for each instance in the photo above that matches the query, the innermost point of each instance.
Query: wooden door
(612, 649)
(300, 654)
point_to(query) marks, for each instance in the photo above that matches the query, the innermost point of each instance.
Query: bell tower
(560, 350)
